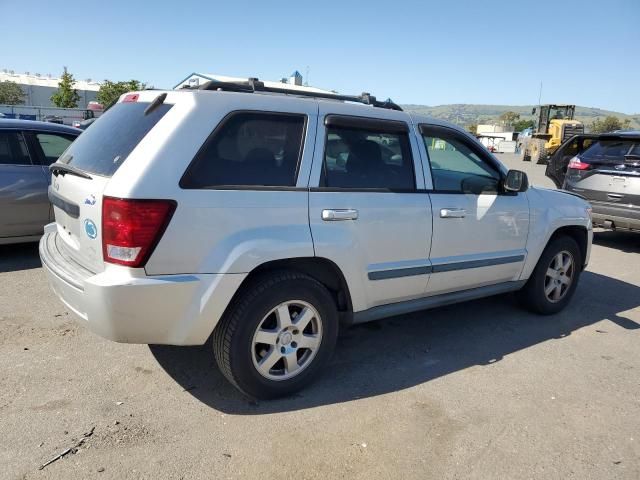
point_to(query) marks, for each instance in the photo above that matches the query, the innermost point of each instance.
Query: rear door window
(53, 145)
(249, 149)
(364, 157)
(105, 146)
(13, 149)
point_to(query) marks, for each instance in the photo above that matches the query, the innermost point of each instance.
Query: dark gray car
(605, 170)
(27, 148)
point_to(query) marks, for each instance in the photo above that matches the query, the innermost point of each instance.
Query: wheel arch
(534, 295)
(578, 233)
(319, 268)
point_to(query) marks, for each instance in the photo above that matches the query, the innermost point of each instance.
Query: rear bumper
(620, 216)
(125, 305)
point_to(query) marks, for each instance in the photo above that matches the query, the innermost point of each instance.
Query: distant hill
(466, 114)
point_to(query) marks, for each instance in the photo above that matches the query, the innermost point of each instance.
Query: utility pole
(306, 78)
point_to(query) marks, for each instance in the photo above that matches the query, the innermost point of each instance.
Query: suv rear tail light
(131, 229)
(576, 164)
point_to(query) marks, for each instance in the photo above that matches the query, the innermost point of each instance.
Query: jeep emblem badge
(90, 229)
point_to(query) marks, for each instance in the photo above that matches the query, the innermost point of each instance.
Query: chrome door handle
(452, 213)
(333, 215)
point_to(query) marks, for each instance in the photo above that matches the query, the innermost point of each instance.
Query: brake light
(131, 229)
(131, 97)
(576, 164)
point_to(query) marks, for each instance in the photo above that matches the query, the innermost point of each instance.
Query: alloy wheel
(559, 276)
(287, 340)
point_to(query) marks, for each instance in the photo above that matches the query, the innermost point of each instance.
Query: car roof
(622, 135)
(9, 123)
(628, 133)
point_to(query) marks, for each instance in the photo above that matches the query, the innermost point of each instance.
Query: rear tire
(547, 291)
(277, 335)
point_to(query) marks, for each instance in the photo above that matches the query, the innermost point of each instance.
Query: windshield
(105, 146)
(560, 113)
(609, 151)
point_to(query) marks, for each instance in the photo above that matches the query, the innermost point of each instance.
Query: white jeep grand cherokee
(269, 217)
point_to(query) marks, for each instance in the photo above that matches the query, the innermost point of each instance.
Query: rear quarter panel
(215, 230)
(227, 231)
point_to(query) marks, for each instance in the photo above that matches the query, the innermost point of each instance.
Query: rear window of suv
(608, 151)
(106, 144)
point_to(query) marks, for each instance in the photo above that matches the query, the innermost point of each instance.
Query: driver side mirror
(533, 112)
(516, 181)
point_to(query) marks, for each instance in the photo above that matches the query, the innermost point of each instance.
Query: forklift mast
(543, 119)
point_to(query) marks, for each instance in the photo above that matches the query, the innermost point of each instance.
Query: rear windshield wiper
(58, 168)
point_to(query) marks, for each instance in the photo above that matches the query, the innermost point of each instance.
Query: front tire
(538, 151)
(277, 335)
(555, 278)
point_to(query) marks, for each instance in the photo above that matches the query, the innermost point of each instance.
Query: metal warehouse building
(39, 88)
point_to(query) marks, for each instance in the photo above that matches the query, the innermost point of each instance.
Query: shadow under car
(401, 352)
(21, 256)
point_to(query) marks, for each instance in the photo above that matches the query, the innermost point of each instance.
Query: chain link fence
(51, 114)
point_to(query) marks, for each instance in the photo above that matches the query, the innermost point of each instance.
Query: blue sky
(491, 52)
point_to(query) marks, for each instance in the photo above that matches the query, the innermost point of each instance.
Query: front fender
(549, 211)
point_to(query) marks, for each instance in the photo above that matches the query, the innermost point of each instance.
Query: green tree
(507, 118)
(66, 96)
(608, 124)
(110, 91)
(472, 128)
(11, 93)
(522, 124)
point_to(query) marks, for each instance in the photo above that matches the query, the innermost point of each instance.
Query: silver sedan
(27, 148)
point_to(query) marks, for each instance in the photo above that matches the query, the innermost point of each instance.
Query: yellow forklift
(555, 125)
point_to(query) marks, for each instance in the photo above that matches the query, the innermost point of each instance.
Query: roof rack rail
(253, 85)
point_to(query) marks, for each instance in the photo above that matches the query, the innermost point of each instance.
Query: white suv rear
(268, 219)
